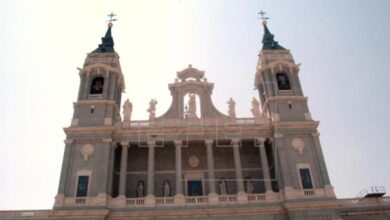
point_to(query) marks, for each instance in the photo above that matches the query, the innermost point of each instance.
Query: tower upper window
(283, 81)
(97, 85)
(82, 186)
(305, 178)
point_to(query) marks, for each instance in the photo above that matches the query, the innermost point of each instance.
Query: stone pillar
(241, 195)
(60, 197)
(150, 198)
(123, 170)
(179, 197)
(264, 165)
(322, 167)
(213, 197)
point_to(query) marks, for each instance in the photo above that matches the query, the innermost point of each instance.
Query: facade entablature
(268, 56)
(280, 66)
(110, 59)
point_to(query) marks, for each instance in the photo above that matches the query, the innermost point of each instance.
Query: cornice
(95, 101)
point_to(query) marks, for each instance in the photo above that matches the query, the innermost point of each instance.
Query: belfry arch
(191, 81)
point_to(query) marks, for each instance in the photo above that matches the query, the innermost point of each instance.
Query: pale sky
(343, 47)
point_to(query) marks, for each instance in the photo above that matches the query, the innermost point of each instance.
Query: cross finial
(262, 13)
(111, 15)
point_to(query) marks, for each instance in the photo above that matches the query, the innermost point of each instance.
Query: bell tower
(278, 83)
(88, 164)
(101, 86)
(300, 168)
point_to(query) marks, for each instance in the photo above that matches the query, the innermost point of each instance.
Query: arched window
(283, 81)
(97, 85)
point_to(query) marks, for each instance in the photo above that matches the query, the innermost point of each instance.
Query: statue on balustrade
(249, 185)
(166, 189)
(140, 189)
(255, 108)
(152, 109)
(127, 110)
(222, 187)
(232, 108)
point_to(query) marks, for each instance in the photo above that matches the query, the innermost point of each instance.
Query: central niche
(191, 106)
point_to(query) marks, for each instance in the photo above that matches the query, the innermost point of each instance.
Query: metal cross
(111, 15)
(262, 13)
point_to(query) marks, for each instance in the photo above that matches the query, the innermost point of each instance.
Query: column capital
(125, 144)
(107, 140)
(278, 135)
(178, 143)
(68, 141)
(260, 142)
(235, 142)
(209, 141)
(151, 143)
(315, 134)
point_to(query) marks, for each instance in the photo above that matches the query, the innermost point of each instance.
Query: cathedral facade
(194, 162)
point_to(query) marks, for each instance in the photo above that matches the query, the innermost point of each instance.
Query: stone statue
(249, 186)
(166, 189)
(140, 189)
(255, 108)
(152, 109)
(192, 106)
(127, 110)
(232, 108)
(222, 187)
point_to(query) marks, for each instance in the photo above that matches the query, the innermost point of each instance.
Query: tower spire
(268, 39)
(107, 45)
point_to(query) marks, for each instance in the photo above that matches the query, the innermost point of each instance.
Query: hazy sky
(343, 47)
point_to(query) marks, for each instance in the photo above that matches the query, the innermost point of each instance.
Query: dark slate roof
(268, 40)
(107, 45)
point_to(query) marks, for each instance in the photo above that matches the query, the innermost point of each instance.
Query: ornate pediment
(190, 73)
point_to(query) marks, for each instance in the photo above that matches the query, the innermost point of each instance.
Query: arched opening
(97, 86)
(283, 81)
(191, 106)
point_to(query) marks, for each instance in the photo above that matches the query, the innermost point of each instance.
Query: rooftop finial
(268, 39)
(111, 15)
(262, 13)
(107, 45)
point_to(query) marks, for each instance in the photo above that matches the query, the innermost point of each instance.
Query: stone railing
(163, 201)
(227, 198)
(95, 97)
(207, 122)
(135, 202)
(256, 197)
(196, 200)
(25, 214)
(166, 201)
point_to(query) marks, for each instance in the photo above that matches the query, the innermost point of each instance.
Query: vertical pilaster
(123, 170)
(178, 165)
(210, 166)
(150, 199)
(264, 165)
(151, 151)
(237, 165)
(241, 195)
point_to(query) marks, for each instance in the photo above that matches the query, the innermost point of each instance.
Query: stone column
(123, 170)
(179, 197)
(66, 162)
(213, 197)
(264, 165)
(241, 195)
(322, 167)
(150, 198)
